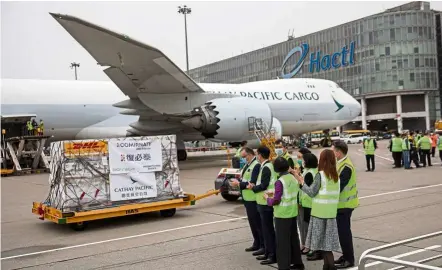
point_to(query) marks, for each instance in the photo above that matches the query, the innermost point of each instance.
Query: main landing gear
(182, 154)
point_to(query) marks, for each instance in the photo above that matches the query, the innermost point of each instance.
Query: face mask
(299, 162)
(279, 151)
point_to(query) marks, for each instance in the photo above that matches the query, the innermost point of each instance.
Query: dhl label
(85, 148)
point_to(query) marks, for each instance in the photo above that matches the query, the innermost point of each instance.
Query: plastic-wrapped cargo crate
(95, 174)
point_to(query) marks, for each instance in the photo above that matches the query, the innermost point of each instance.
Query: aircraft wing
(133, 66)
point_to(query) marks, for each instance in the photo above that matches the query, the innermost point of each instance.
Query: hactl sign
(318, 62)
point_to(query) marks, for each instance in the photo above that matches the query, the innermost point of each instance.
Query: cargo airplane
(149, 95)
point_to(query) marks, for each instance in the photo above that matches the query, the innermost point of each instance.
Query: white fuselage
(79, 109)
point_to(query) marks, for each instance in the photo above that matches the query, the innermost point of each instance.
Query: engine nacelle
(227, 119)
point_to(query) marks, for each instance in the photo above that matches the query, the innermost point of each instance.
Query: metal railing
(366, 255)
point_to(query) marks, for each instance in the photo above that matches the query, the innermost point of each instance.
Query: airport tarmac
(395, 205)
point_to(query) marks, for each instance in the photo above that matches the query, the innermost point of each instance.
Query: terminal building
(390, 62)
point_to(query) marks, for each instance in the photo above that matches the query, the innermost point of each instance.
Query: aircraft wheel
(182, 155)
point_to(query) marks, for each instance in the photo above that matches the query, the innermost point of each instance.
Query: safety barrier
(366, 255)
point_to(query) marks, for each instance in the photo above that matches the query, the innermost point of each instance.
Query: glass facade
(394, 51)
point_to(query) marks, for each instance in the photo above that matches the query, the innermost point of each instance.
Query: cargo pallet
(79, 220)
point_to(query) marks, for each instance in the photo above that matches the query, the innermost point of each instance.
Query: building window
(416, 62)
(387, 50)
(411, 77)
(401, 83)
(392, 34)
(377, 66)
(416, 49)
(410, 30)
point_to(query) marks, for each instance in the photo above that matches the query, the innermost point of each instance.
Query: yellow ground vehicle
(438, 127)
(319, 138)
(364, 132)
(79, 220)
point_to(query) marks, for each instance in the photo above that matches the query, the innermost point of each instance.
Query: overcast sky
(35, 46)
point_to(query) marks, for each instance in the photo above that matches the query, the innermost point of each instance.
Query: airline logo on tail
(339, 105)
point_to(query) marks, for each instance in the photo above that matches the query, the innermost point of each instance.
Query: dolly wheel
(168, 212)
(79, 226)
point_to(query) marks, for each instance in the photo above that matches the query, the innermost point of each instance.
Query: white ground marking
(389, 159)
(401, 256)
(179, 228)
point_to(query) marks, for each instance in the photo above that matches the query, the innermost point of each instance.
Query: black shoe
(297, 267)
(316, 256)
(259, 252)
(367, 170)
(340, 260)
(262, 258)
(250, 249)
(270, 260)
(303, 252)
(344, 265)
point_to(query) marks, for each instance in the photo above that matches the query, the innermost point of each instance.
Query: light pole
(185, 10)
(74, 66)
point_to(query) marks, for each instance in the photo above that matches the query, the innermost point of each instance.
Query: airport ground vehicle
(322, 138)
(354, 138)
(438, 127)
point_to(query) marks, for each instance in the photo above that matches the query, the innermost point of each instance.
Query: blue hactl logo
(319, 62)
(303, 50)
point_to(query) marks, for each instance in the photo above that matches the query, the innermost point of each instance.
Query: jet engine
(227, 119)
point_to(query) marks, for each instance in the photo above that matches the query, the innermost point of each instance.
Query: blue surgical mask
(299, 162)
(279, 151)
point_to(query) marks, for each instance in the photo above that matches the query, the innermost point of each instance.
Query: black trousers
(426, 157)
(397, 156)
(255, 223)
(370, 158)
(433, 151)
(414, 156)
(268, 231)
(440, 155)
(287, 243)
(343, 219)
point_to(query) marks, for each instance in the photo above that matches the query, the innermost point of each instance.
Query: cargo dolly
(79, 220)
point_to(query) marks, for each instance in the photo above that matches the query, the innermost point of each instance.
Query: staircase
(265, 134)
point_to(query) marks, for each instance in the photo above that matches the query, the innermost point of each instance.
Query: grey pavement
(213, 233)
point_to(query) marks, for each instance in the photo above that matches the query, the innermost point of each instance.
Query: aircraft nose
(355, 108)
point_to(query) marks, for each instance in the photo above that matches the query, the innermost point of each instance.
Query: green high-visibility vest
(440, 143)
(288, 157)
(260, 195)
(424, 143)
(416, 139)
(41, 125)
(325, 203)
(369, 147)
(238, 152)
(396, 145)
(288, 207)
(349, 195)
(29, 125)
(247, 194)
(405, 144)
(305, 199)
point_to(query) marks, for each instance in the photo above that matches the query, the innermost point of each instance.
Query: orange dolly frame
(79, 220)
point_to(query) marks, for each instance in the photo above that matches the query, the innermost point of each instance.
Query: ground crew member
(285, 210)
(323, 229)
(416, 140)
(396, 149)
(414, 155)
(249, 175)
(439, 146)
(282, 151)
(236, 160)
(370, 146)
(433, 138)
(30, 128)
(265, 182)
(406, 151)
(425, 145)
(299, 156)
(35, 126)
(41, 126)
(348, 201)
